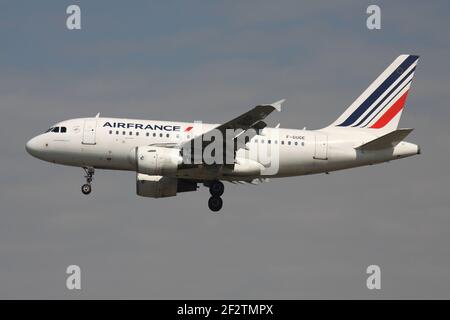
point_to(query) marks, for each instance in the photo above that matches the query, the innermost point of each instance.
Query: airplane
(161, 152)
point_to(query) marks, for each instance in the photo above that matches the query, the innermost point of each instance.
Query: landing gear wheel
(215, 203)
(86, 188)
(216, 188)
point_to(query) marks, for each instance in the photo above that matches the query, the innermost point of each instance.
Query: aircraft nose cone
(32, 147)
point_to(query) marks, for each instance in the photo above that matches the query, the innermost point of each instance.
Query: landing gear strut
(87, 188)
(216, 189)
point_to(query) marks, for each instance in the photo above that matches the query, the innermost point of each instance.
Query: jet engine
(156, 161)
(160, 187)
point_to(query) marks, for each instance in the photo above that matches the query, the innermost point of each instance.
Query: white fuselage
(109, 143)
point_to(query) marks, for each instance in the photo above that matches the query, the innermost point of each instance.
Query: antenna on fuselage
(98, 115)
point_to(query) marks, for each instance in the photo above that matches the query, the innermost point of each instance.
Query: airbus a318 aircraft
(164, 154)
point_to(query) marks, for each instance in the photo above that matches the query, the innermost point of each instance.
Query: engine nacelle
(244, 167)
(157, 161)
(160, 187)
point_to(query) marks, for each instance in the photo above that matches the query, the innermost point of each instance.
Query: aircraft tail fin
(380, 106)
(388, 140)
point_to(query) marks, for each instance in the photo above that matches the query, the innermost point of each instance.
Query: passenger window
(276, 142)
(289, 143)
(124, 133)
(117, 132)
(262, 141)
(296, 143)
(137, 133)
(131, 133)
(147, 134)
(154, 134)
(160, 135)
(282, 141)
(110, 131)
(268, 141)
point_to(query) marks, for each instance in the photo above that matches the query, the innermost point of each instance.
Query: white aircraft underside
(366, 133)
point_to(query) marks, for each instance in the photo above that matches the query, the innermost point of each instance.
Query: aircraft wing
(250, 119)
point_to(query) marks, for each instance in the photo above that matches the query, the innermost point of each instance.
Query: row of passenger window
(167, 135)
(161, 135)
(281, 142)
(57, 129)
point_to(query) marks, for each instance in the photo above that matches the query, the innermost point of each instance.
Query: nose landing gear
(216, 189)
(87, 188)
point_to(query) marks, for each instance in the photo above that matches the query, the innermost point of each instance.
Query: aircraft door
(89, 129)
(321, 146)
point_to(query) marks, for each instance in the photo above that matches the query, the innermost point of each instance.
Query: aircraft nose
(33, 147)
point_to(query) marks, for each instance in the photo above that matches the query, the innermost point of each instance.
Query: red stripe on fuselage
(391, 113)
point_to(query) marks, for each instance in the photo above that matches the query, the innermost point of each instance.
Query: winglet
(277, 105)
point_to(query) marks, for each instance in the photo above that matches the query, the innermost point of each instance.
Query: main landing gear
(216, 189)
(87, 188)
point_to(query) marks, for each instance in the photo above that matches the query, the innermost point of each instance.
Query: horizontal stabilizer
(389, 140)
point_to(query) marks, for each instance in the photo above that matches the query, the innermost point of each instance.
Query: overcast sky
(302, 237)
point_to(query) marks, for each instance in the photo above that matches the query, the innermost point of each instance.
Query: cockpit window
(57, 129)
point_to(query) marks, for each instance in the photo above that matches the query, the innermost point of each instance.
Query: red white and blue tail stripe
(381, 104)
